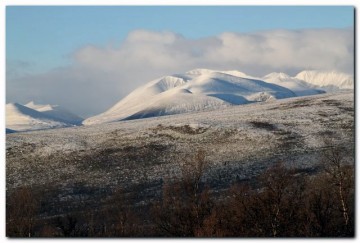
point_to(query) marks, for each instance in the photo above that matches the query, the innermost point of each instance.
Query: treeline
(281, 202)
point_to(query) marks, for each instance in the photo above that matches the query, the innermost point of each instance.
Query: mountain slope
(196, 90)
(22, 118)
(87, 163)
(299, 87)
(329, 81)
(56, 112)
(9, 131)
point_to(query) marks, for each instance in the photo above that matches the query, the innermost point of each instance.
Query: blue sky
(43, 38)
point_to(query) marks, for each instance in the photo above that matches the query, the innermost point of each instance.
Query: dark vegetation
(281, 202)
(185, 129)
(263, 125)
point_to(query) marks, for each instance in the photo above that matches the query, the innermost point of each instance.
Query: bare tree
(273, 208)
(340, 174)
(321, 207)
(185, 202)
(21, 209)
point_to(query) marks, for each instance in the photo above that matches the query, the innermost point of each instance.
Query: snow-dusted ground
(239, 142)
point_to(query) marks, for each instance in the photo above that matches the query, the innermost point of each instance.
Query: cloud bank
(102, 75)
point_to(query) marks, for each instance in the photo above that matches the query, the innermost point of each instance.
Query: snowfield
(239, 143)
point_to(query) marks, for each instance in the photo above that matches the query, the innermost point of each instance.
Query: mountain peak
(31, 103)
(200, 71)
(56, 112)
(236, 73)
(276, 75)
(40, 107)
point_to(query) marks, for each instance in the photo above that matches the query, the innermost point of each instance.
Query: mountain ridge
(214, 89)
(327, 80)
(193, 91)
(196, 90)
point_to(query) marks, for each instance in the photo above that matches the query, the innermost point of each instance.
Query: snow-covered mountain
(299, 87)
(22, 118)
(329, 81)
(37, 117)
(196, 90)
(56, 112)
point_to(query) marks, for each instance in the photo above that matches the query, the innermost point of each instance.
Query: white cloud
(280, 49)
(101, 76)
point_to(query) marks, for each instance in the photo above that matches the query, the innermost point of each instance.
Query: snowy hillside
(196, 90)
(78, 169)
(239, 142)
(56, 112)
(299, 87)
(23, 118)
(329, 81)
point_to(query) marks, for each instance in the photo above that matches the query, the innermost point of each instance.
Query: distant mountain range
(193, 91)
(204, 89)
(37, 117)
(329, 81)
